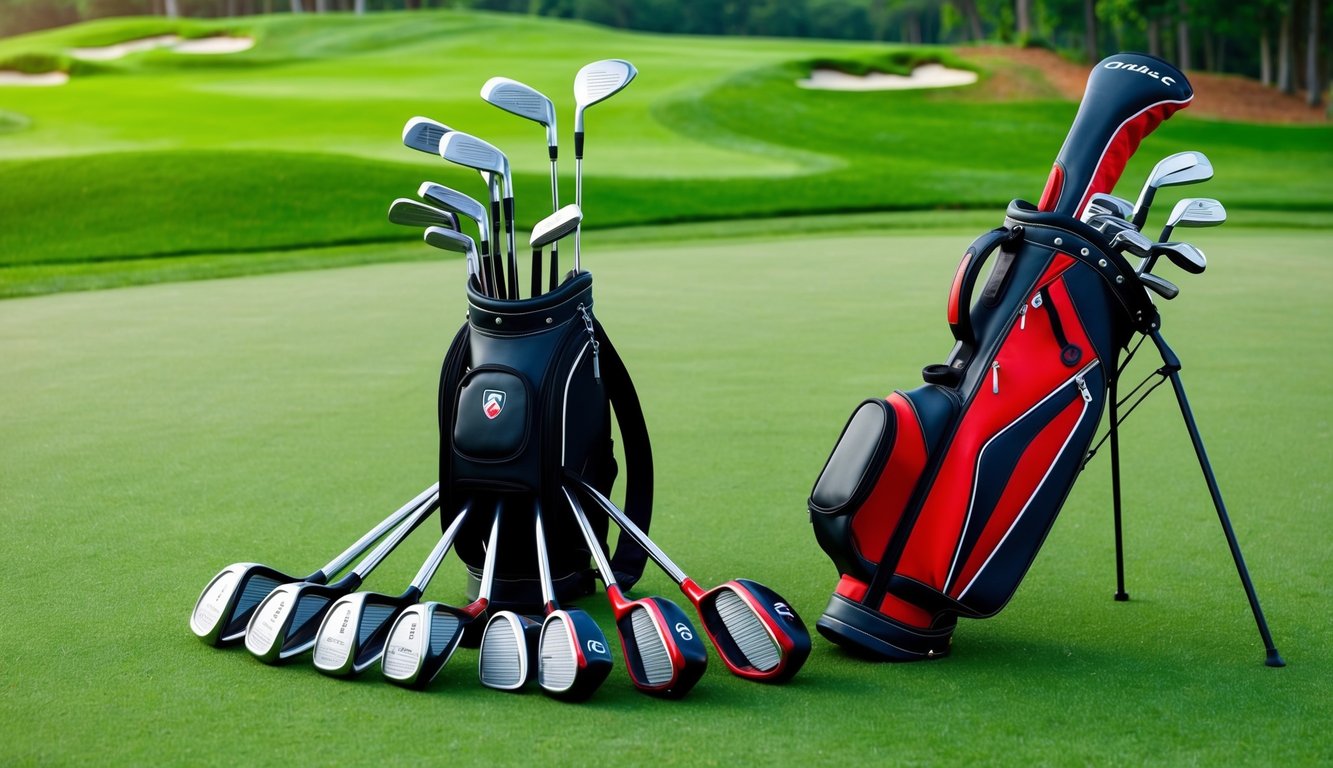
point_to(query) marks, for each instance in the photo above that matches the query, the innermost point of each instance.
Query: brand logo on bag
(492, 402)
(1141, 69)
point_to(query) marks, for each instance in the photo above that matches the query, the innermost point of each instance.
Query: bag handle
(964, 282)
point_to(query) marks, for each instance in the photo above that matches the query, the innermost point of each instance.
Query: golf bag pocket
(494, 417)
(869, 478)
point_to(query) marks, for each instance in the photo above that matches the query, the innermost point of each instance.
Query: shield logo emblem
(492, 402)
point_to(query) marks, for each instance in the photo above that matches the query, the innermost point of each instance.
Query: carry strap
(456, 362)
(629, 558)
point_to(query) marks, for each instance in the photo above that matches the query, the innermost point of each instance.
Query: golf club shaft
(432, 563)
(418, 515)
(627, 525)
(555, 206)
(362, 544)
(598, 556)
(543, 560)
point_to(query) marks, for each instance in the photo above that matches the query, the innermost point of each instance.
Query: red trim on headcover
(1122, 146)
(878, 516)
(1055, 183)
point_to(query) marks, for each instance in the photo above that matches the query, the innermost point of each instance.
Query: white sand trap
(211, 45)
(8, 77)
(107, 53)
(205, 45)
(924, 76)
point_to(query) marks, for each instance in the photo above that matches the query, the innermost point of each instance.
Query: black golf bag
(935, 500)
(527, 392)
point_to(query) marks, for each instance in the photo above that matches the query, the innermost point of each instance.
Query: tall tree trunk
(1210, 52)
(1155, 37)
(1023, 19)
(973, 17)
(1284, 52)
(359, 7)
(296, 6)
(1090, 47)
(1265, 57)
(172, 9)
(912, 29)
(1314, 83)
(1183, 35)
(321, 6)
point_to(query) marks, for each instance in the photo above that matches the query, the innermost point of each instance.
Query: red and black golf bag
(935, 500)
(527, 392)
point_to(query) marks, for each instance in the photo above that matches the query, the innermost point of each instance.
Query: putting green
(154, 434)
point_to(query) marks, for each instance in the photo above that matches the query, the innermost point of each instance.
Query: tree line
(1283, 43)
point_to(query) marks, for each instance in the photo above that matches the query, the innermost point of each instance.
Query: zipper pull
(1083, 389)
(1023, 317)
(592, 339)
(995, 377)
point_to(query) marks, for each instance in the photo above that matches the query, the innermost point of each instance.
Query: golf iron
(754, 629)
(594, 83)
(355, 629)
(285, 622)
(424, 638)
(663, 653)
(229, 599)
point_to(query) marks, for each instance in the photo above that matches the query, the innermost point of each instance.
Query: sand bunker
(198, 45)
(924, 76)
(22, 78)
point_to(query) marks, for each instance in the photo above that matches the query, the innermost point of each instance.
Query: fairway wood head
(755, 630)
(414, 213)
(507, 659)
(421, 641)
(573, 656)
(229, 599)
(524, 101)
(354, 631)
(555, 226)
(599, 81)
(1183, 255)
(424, 134)
(286, 620)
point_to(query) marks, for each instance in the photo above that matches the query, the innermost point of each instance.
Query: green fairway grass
(294, 144)
(152, 435)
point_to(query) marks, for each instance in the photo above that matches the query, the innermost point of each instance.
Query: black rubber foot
(1274, 660)
(1122, 597)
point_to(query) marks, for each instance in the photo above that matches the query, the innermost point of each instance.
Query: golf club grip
(627, 525)
(1127, 96)
(362, 544)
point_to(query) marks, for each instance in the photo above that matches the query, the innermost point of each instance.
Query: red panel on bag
(1029, 369)
(1055, 183)
(851, 588)
(1023, 483)
(1122, 147)
(901, 610)
(874, 523)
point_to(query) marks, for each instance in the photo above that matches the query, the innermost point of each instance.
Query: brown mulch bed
(1034, 72)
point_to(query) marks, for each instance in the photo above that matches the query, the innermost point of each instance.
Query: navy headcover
(1128, 95)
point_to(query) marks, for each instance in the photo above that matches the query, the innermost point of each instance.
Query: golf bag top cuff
(527, 315)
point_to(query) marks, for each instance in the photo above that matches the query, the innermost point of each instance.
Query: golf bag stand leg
(1171, 369)
(1113, 397)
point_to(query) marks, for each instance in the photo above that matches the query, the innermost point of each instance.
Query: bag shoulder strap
(629, 558)
(456, 362)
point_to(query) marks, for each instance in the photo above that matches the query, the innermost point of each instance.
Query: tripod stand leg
(1172, 371)
(1120, 594)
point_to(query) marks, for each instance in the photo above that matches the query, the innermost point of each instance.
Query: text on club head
(683, 630)
(597, 647)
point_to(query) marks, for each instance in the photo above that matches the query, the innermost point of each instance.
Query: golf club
(1102, 203)
(1133, 241)
(594, 83)
(573, 656)
(284, 624)
(527, 102)
(424, 134)
(456, 242)
(755, 630)
(663, 653)
(1159, 286)
(1194, 212)
(463, 205)
(508, 647)
(354, 631)
(229, 599)
(551, 229)
(471, 152)
(424, 638)
(1183, 255)
(414, 213)
(1171, 171)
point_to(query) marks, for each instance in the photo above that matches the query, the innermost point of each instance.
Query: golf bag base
(867, 632)
(527, 393)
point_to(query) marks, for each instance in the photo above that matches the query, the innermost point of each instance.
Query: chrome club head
(522, 100)
(414, 213)
(1194, 212)
(1171, 171)
(424, 134)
